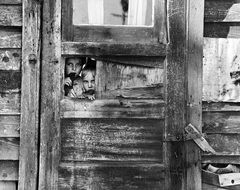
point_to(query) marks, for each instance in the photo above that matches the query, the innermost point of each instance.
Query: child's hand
(68, 81)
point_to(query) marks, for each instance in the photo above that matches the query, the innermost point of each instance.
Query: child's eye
(93, 81)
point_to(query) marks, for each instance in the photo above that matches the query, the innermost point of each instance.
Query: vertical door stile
(29, 126)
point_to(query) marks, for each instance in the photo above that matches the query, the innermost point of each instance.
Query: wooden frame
(151, 40)
(30, 89)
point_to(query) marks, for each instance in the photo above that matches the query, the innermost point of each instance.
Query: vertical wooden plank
(183, 93)
(50, 95)
(194, 60)
(29, 126)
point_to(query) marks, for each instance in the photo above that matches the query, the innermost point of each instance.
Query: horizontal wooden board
(8, 185)
(10, 59)
(10, 15)
(9, 148)
(10, 103)
(8, 170)
(10, 2)
(110, 176)
(222, 30)
(10, 38)
(142, 61)
(227, 144)
(112, 139)
(114, 80)
(213, 187)
(112, 108)
(10, 81)
(9, 125)
(221, 122)
(221, 11)
(221, 106)
(221, 159)
(221, 65)
(118, 49)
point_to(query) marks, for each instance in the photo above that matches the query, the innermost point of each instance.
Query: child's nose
(89, 85)
(74, 67)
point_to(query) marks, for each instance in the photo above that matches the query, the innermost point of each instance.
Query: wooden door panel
(105, 176)
(111, 139)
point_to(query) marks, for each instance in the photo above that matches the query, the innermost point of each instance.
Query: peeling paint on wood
(111, 139)
(10, 103)
(10, 81)
(221, 61)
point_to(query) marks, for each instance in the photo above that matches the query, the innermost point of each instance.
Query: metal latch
(194, 134)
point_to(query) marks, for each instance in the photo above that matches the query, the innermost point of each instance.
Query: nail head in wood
(32, 58)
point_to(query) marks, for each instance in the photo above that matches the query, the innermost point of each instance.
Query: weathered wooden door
(148, 88)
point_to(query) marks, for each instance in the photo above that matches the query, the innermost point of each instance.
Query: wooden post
(183, 93)
(29, 126)
(50, 95)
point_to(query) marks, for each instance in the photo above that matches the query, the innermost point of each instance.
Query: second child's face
(73, 65)
(89, 81)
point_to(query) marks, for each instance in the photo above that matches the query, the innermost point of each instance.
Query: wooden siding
(10, 91)
(221, 92)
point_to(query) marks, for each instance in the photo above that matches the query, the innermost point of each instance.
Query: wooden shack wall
(221, 76)
(10, 91)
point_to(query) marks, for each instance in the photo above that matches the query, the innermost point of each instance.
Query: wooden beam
(8, 185)
(9, 126)
(29, 127)
(114, 108)
(221, 159)
(50, 95)
(10, 15)
(183, 92)
(118, 49)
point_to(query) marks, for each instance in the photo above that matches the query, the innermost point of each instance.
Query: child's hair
(89, 67)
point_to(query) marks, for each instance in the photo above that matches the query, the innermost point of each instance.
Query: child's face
(89, 81)
(73, 65)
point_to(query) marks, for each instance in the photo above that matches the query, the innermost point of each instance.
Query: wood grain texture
(212, 187)
(10, 15)
(111, 176)
(112, 108)
(10, 38)
(222, 30)
(8, 170)
(111, 139)
(150, 62)
(50, 95)
(8, 185)
(9, 126)
(222, 11)
(10, 81)
(221, 122)
(221, 159)
(118, 49)
(183, 84)
(220, 62)
(29, 126)
(227, 144)
(10, 103)
(10, 2)
(10, 59)
(9, 148)
(221, 107)
(113, 80)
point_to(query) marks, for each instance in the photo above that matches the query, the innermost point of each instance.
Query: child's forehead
(74, 60)
(88, 74)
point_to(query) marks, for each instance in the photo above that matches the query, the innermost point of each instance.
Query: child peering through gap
(84, 85)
